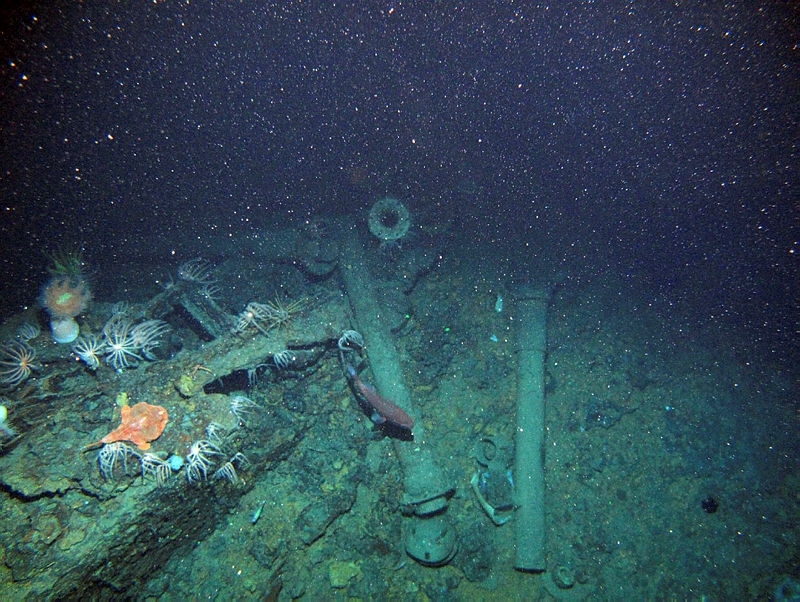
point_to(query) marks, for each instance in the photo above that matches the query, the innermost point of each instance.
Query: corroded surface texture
(69, 531)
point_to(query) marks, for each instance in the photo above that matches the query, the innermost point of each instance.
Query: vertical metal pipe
(531, 312)
(427, 490)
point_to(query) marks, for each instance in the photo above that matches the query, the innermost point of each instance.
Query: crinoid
(89, 348)
(197, 270)
(155, 467)
(121, 348)
(283, 360)
(241, 406)
(28, 331)
(280, 314)
(16, 363)
(351, 340)
(198, 461)
(253, 314)
(113, 453)
(214, 432)
(210, 292)
(66, 262)
(228, 470)
(147, 336)
(276, 314)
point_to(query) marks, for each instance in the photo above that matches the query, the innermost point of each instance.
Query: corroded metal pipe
(429, 537)
(532, 303)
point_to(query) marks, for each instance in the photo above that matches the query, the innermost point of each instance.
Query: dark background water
(658, 142)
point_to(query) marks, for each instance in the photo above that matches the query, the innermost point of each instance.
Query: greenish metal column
(531, 312)
(426, 488)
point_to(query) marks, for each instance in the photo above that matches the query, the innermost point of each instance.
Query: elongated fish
(257, 513)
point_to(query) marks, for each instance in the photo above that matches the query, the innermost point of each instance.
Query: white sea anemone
(5, 428)
(64, 330)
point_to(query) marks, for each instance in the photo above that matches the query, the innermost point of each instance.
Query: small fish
(257, 513)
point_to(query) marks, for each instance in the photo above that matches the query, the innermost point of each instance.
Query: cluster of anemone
(203, 461)
(113, 459)
(203, 454)
(114, 456)
(16, 363)
(123, 343)
(276, 314)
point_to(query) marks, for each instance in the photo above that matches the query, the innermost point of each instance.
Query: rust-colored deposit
(141, 424)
